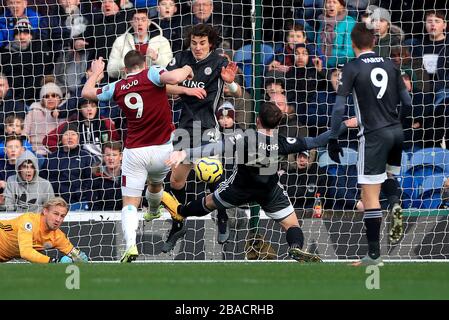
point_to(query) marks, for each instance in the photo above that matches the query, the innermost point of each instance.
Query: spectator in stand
(16, 10)
(433, 46)
(8, 106)
(272, 86)
(387, 34)
(14, 125)
(241, 99)
(226, 18)
(43, 116)
(68, 22)
(69, 170)
(150, 43)
(402, 58)
(105, 27)
(25, 190)
(13, 150)
(94, 130)
(285, 56)
(290, 125)
(70, 69)
(302, 180)
(170, 22)
(334, 32)
(413, 119)
(306, 77)
(26, 60)
(107, 183)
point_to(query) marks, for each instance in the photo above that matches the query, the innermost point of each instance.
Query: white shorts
(141, 163)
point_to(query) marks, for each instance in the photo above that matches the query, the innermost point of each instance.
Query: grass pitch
(213, 281)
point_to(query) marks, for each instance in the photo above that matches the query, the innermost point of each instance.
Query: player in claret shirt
(143, 99)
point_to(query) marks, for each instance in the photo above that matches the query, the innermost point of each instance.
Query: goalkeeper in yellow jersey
(29, 233)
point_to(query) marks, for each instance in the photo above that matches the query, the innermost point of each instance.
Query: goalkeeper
(255, 178)
(29, 233)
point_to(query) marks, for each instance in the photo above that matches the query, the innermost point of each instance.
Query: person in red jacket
(93, 128)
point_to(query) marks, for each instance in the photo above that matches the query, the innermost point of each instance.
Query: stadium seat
(244, 56)
(342, 179)
(435, 158)
(428, 195)
(349, 158)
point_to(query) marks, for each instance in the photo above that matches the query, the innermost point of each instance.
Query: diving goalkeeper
(29, 233)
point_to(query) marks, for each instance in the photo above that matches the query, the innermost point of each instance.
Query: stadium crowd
(74, 145)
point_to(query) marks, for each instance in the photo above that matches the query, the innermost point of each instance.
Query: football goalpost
(338, 235)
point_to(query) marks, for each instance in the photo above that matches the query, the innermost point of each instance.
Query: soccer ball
(208, 170)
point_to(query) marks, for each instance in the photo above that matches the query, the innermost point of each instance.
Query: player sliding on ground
(143, 98)
(255, 177)
(29, 233)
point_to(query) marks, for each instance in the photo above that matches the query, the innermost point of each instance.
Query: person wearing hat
(152, 44)
(226, 115)
(14, 11)
(43, 116)
(69, 168)
(387, 35)
(26, 60)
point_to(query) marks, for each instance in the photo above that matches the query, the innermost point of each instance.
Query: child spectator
(94, 130)
(107, 183)
(226, 115)
(334, 33)
(26, 191)
(433, 45)
(170, 23)
(14, 126)
(13, 150)
(285, 56)
(305, 78)
(69, 170)
(43, 116)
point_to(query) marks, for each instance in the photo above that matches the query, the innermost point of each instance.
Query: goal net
(46, 48)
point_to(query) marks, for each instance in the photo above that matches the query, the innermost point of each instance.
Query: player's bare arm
(89, 90)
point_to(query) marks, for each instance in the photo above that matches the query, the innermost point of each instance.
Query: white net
(46, 48)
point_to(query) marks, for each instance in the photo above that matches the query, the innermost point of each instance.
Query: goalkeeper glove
(334, 150)
(64, 259)
(77, 255)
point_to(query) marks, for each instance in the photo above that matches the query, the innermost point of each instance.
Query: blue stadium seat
(349, 158)
(428, 195)
(244, 56)
(436, 158)
(341, 179)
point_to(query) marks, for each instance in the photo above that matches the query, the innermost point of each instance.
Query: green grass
(283, 281)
